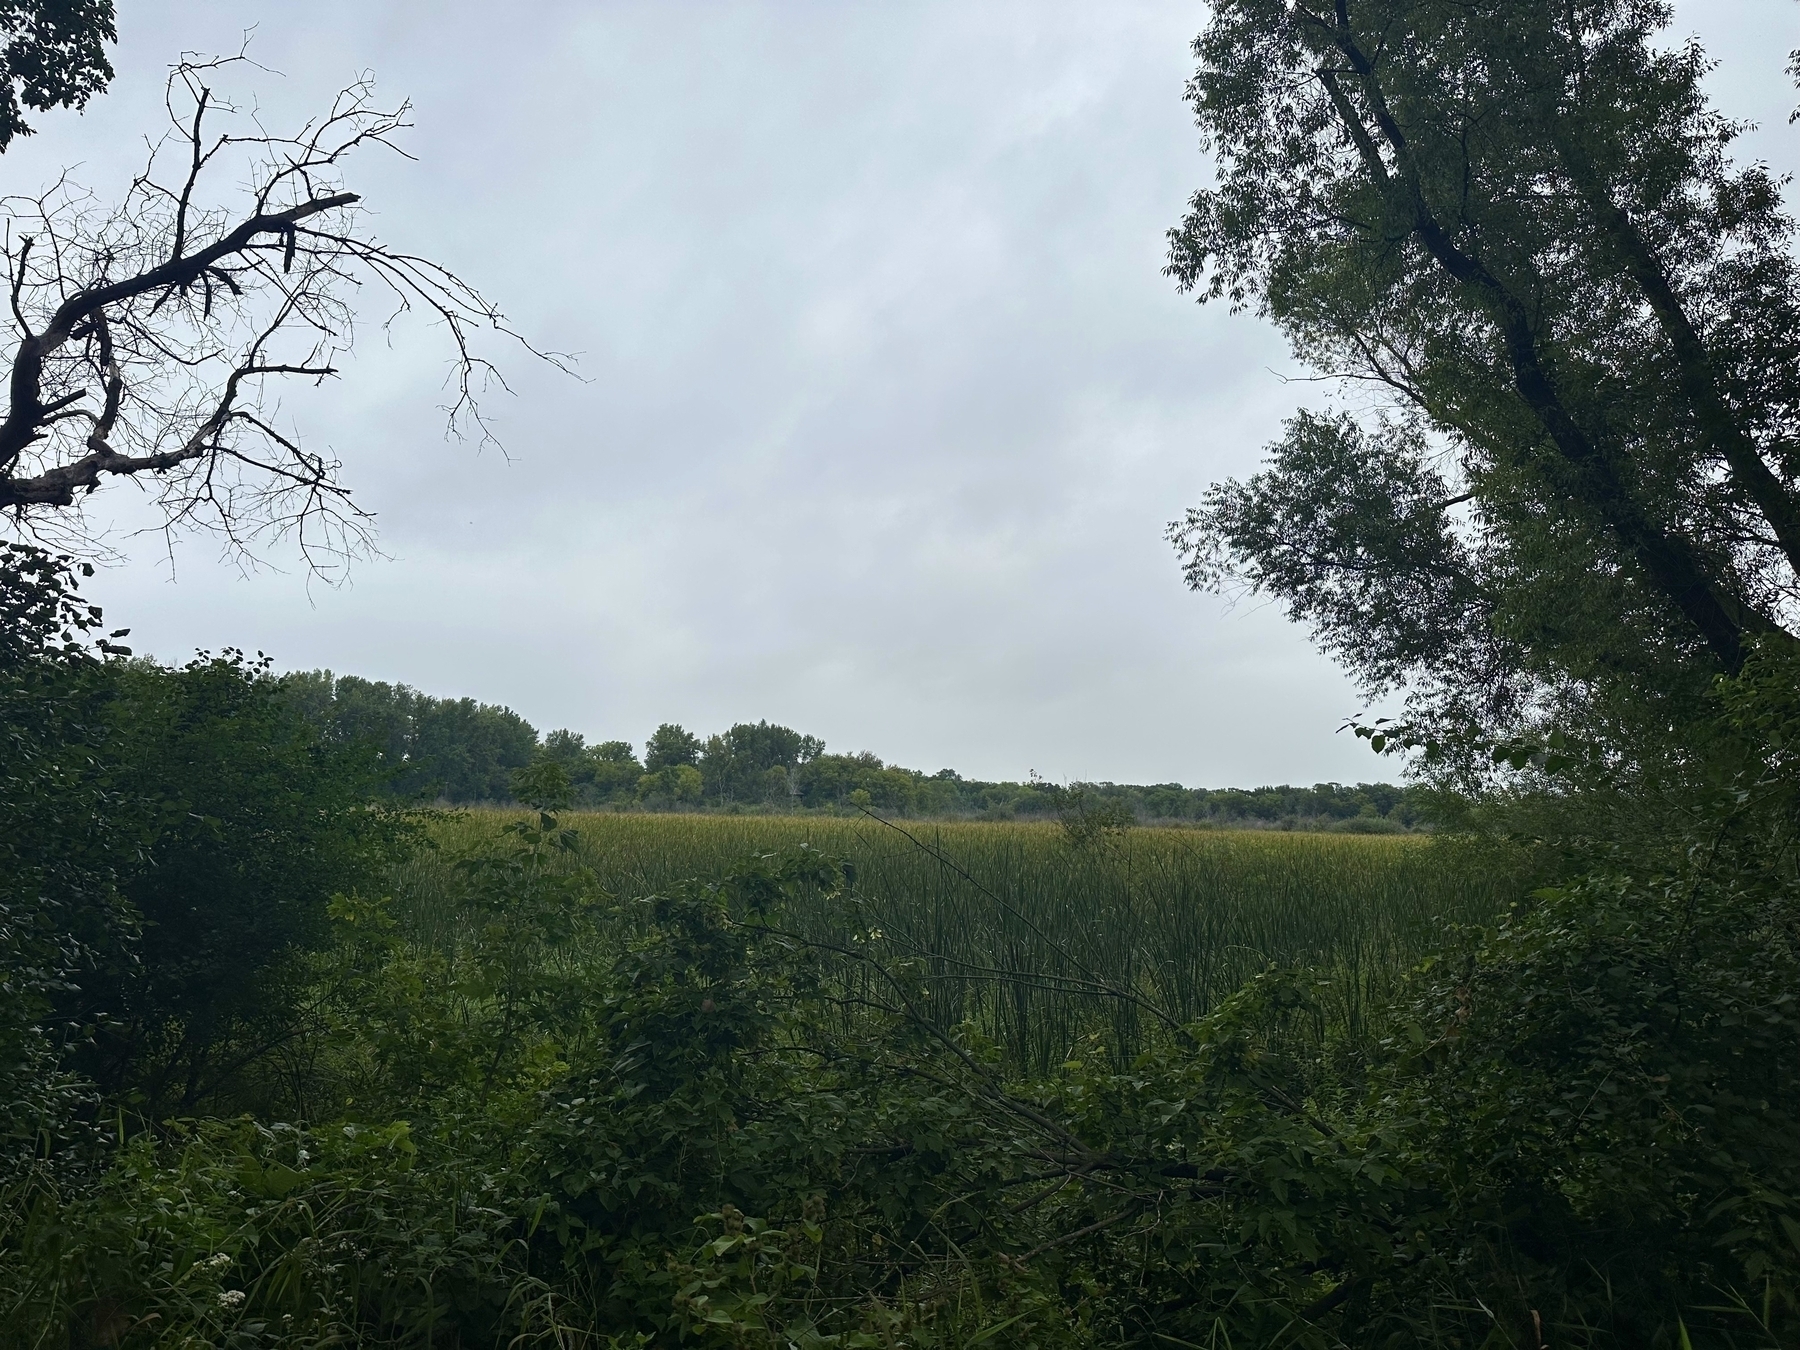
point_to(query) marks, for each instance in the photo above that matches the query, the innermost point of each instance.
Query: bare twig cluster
(150, 340)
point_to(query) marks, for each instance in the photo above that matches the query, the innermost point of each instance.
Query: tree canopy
(53, 54)
(1567, 328)
(452, 748)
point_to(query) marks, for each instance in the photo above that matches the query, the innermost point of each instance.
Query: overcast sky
(884, 402)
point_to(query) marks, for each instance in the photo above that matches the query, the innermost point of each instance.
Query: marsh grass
(1032, 936)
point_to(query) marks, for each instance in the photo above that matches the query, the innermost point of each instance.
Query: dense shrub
(242, 826)
(173, 839)
(61, 838)
(1579, 1125)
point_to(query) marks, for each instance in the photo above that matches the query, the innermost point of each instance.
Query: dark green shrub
(237, 827)
(59, 902)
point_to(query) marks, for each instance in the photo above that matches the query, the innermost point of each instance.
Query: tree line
(464, 752)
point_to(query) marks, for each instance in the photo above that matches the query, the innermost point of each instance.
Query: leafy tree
(456, 749)
(53, 55)
(462, 751)
(833, 779)
(467, 750)
(599, 773)
(670, 744)
(1516, 230)
(680, 783)
(54, 877)
(564, 746)
(612, 770)
(751, 761)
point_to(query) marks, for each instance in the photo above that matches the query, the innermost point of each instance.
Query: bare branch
(187, 188)
(186, 315)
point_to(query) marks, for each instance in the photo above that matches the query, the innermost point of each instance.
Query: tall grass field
(1034, 935)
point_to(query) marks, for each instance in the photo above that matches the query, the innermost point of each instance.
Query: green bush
(62, 836)
(241, 826)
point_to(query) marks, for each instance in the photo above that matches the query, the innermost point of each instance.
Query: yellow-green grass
(1014, 923)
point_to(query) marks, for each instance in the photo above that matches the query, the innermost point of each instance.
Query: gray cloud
(885, 402)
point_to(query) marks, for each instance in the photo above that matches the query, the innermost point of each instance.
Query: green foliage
(174, 837)
(544, 786)
(756, 762)
(685, 1120)
(602, 1201)
(1524, 222)
(237, 1234)
(1183, 916)
(241, 827)
(480, 1017)
(54, 56)
(597, 773)
(1609, 1087)
(454, 749)
(794, 1106)
(1348, 528)
(463, 752)
(1086, 817)
(670, 744)
(673, 784)
(59, 899)
(679, 1081)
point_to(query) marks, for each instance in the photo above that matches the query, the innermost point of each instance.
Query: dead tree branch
(185, 315)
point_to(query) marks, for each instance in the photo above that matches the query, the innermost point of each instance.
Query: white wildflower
(231, 1298)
